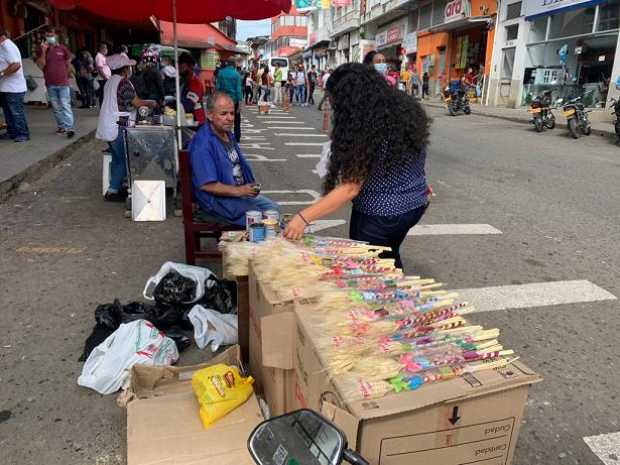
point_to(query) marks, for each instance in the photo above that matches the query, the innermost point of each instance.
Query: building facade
(566, 46)
(289, 34)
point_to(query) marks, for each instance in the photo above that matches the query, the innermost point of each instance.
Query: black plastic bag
(175, 288)
(162, 316)
(180, 338)
(219, 295)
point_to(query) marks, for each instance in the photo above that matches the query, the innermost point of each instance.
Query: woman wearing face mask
(119, 109)
(377, 160)
(377, 61)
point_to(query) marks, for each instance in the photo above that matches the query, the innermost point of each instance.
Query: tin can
(272, 215)
(251, 217)
(257, 232)
(271, 229)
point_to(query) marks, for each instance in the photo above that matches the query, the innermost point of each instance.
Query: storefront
(450, 40)
(388, 40)
(571, 49)
(567, 46)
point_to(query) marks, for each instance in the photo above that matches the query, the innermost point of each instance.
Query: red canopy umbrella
(178, 11)
(187, 11)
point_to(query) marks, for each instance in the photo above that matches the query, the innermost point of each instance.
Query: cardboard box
(271, 343)
(163, 425)
(471, 419)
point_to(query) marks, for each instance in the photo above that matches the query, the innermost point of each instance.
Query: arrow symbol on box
(455, 415)
(321, 225)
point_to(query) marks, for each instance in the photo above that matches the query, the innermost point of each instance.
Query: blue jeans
(118, 168)
(60, 98)
(389, 231)
(263, 203)
(13, 108)
(300, 91)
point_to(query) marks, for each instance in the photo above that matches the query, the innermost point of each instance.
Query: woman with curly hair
(378, 152)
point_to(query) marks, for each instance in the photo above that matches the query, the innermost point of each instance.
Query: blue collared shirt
(210, 163)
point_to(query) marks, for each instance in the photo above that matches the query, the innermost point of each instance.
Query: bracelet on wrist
(303, 219)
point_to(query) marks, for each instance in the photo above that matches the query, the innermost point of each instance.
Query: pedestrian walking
(120, 102)
(102, 69)
(277, 85)
(229, 82)
(381, 169)
(300, 86)
(265, 84)
(84, 65)
(12, 90)
(312, 80)
(248, 92)
(425, 80)
(55, 61)
(415, 83)
(324, 80)
(290, 87)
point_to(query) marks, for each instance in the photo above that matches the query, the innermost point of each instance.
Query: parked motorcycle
(576, 117)
(542, 116)
(615, 110)
(302, 437)
(456, 101)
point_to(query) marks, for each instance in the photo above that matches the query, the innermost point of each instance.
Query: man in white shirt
(300, 86)
(103, 70)
(12, 90)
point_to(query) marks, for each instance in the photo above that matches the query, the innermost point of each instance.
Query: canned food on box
(251, 217)
(271, 229)
(257, 232)
(272, 215)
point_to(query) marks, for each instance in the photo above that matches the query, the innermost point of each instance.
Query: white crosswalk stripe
(452, 229)
(494, 298)
(296, 128)
(285, 134)
(304, 144)
(606, 447)
(309, 155)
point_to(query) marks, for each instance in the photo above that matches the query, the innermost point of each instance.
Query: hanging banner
(338, 3)
(325, 4)
(305, 5)
(536, 8)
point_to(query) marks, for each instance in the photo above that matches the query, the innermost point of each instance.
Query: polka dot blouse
(393, 192)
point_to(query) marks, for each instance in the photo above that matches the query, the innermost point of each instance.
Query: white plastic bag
(323, 165)
(196, 273)
(211, 327)
(108, 365)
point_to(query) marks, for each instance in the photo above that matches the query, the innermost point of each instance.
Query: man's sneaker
(21, 139)
(61, 131)
(115, 196)
(70, 133)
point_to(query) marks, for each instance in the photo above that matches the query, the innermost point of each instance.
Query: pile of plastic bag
(184, 299)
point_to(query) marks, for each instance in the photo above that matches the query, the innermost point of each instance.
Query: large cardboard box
(271, 320)
(471, 419)
(164, 427)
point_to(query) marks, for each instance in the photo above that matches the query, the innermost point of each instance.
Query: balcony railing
(347, 22)
(383, 8)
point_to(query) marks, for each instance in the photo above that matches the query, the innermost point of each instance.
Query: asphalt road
(555, 200)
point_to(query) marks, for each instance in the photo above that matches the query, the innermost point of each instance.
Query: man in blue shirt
(229, 81)
(222, 180)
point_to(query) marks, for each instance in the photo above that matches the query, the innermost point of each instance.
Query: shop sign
(410, 43)
(456, 9)
(534, 8)
(393, 34)
(381, 39)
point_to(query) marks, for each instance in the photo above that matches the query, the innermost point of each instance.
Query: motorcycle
(576, 117)
(542, 116)
(456, 100)
(302, 437)
(615, 110)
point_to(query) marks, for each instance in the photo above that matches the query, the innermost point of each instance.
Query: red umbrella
(187, 11)
(178, 11)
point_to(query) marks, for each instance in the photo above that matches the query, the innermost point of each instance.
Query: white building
(566, 46)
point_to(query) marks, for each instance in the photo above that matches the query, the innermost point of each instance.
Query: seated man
(223, 183)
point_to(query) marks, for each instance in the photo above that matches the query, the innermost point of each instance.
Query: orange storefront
(464, 39)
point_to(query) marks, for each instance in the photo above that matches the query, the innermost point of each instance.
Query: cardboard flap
(347, 423)
(278, 340)
(151, 381)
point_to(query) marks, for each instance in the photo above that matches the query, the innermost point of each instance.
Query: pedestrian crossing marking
(283, 122)
(308, 155)
(452, 229)
(277, 117)
(515, 296)
(313, 194)
(256, 157)
(256, 146)
(606, 447)
(304, 144)
(296, 128)
(285, 134)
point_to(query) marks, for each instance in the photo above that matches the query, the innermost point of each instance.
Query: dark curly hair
(370, 116)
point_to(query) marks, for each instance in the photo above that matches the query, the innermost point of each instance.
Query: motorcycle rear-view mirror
(302, 437)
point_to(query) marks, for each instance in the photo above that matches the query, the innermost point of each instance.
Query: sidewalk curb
(38, 169)
(599, 132)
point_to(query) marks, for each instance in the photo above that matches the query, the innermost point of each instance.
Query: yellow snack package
(219, 390)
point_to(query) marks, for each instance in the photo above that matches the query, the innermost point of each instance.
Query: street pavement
(524, 224)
